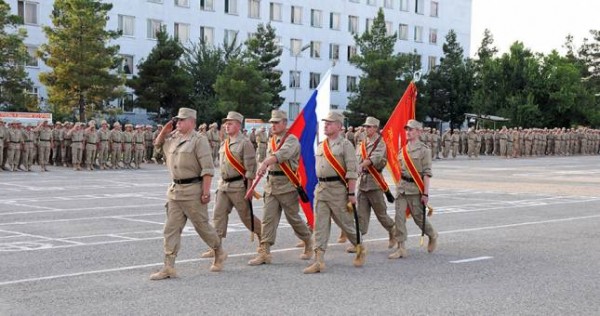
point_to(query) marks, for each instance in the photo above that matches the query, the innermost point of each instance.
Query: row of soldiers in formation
(350, 186)
(506, 142)
(69, 143)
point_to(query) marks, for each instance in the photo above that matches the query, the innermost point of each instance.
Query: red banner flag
(393, 133)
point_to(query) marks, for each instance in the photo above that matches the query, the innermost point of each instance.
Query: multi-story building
(313, 33)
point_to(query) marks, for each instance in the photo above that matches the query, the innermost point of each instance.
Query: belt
(28, 141)
(276, 173)
(90, 143)
(233, 179)
(187, 181)
(104, 140)
(139, 142)
(15, 142)
(44, 140)
(407, 179)
(330, 179)
(76, 141)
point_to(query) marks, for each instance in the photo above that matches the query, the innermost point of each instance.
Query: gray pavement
(517, 237)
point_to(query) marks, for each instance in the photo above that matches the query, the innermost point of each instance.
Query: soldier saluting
(336, 170)
(413, 190)
(281, 189)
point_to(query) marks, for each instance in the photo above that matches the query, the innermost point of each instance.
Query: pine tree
(13, 56)
(83, 64)
(263, 48)
(162, 84)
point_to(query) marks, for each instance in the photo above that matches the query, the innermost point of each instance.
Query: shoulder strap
(412, 169)
(236, 164)
(376, 175)
(333, 162)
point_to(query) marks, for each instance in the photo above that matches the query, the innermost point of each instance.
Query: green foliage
(81, 60)
(162, 83)
(204, 63)
(450, 85)
(13, 56)
(264, 49)
(379, 90)
(242, 88)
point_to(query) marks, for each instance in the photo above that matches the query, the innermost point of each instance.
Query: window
(334, 21)
(419, 6)
(231, 6)
(251, 35)
(403, 5)
(334, 106)
(28, 11)
(355, 1)
(127, 64)
(334, 51)
(156, 1)
(431, 62)
(369, 24)
(351, 52)
(433, 36)
(372, 2)
(315, 49)
(434, 9)
(207, 35)
(254, 9)
(295, 46)
(296, 15)
(352, 24)
(351, 84)
(154, 26)
(293, 111)
(316, 18)
(275, 11)
(389, 28)
(126, 25)
(207, 5)
(315, 78)
(32, 61)
(418, 34)
(230, 36)
(182, 32)
(294, 79)
(335, 82)
(388, 4)
(182, 3)
(403, 32)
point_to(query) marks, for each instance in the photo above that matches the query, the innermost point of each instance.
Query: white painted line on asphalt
(85, 209)
(138, 220)
(80, 219)
(119, 269)
(40, 237)
(471, 259)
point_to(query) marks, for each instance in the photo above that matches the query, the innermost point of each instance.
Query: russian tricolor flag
(306, 127)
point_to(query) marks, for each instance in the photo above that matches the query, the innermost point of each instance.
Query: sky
(542, 25)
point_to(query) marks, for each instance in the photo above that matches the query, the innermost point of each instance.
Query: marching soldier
(261, 143)
(77, 137)
(413, 190)
(116, 145)
(46, 142)
(91, 144)
(238, 167)
(336, 171)
(281, 189)
(371, 154)
(191, 168)
(103, 145)
(138, 145)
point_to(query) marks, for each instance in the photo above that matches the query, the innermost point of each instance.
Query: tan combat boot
(318, 265)
(168, 270)
(300, 244)
(342, 239)
(220, 256)
(361, 257)
(432, 244)
(351, 249)
(400, 253)
(210, 253)
(308, 251)
(263, 257)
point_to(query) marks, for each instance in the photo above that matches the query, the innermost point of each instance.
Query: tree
(82, 62)
(162, 84)
(450, 85)
(263, 48)
(486, 75)
(204, 63)
(13, 56)
(242, 88)
(379, 90)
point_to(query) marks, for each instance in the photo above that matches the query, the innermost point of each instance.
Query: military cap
(370, 121)
(185, 113)
(234, 116)
(334, 117)
(414, 124)
(277, 116)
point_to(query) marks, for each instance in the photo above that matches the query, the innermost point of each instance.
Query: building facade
(314, 33)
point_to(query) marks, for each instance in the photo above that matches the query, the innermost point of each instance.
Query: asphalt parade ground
(517, 237)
